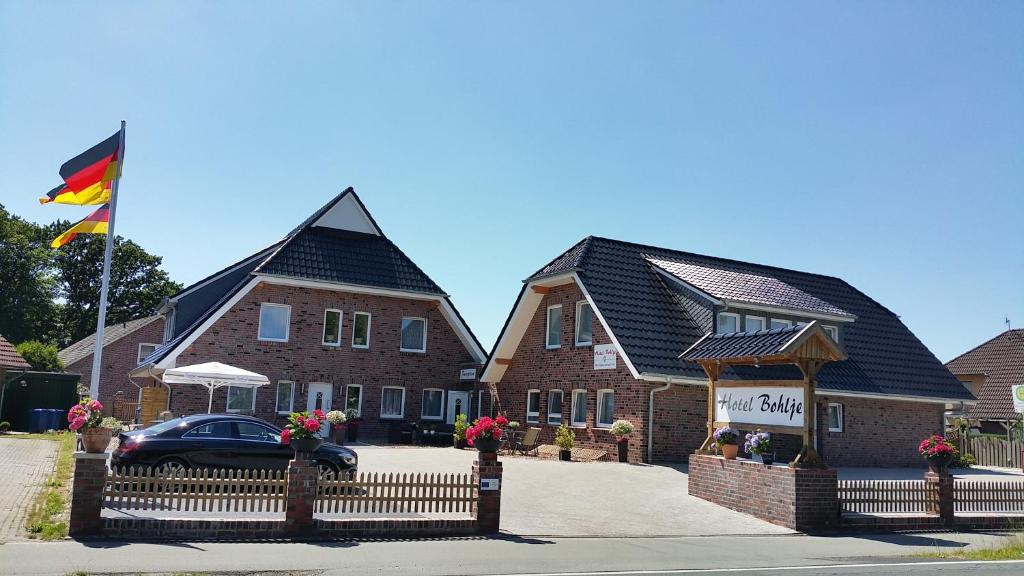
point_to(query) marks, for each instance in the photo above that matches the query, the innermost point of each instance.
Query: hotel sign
(605, 357)
(1018, 397)
(767, 406)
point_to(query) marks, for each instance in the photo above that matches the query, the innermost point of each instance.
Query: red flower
(319, 414)
(286, 436)
(501, 421)
(311, 425)
(300, 420)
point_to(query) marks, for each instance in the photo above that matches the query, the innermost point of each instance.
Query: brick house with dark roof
(989, 370)
(10, 360)
(336, 316)
(596, 334)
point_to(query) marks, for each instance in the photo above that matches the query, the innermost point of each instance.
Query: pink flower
(311, 425)
(95, 406)
(501, 421)
(286, 436)
(300, 419)
(319, 414)
(77, 423)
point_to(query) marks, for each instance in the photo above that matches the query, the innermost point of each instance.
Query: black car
(220, 441)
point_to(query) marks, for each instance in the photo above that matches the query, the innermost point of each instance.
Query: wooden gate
(154, 401)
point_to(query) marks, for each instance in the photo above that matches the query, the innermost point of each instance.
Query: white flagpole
(101, 322)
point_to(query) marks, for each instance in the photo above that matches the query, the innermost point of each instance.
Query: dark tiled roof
(566, 261)
(741, 344)
(349, 257)
(9, 357)
(111, 334)
(654, 327)
(1001, 360)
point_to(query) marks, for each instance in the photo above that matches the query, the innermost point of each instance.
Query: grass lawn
(1011, 549)
(47, 514)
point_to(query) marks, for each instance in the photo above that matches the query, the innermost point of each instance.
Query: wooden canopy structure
(808, 347)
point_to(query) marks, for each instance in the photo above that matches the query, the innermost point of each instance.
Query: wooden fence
(138, 488)
(993, 451)
(988, 496)
(882, 496)
(405, 493)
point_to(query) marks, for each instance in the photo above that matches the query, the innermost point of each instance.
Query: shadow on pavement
(910, 540)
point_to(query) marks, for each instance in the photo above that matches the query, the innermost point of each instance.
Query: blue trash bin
(54, 420)
(36, 420)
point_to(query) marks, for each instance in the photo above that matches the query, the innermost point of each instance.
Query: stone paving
(25, 465)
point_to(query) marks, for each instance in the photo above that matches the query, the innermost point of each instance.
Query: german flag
(88, 176)
(95, 223)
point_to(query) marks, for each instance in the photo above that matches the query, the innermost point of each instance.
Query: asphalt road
(507, 556)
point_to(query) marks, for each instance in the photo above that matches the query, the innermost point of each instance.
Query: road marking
(766, 569)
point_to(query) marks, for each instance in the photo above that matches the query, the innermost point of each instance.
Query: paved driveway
(552, 498)
(25, 465)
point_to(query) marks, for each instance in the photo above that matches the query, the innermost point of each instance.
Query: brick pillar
(87, 494)
(488, 502)
(939, 487)
(298, 508)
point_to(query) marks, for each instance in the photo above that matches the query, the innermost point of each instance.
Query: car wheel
(172, 467)
(327, 470)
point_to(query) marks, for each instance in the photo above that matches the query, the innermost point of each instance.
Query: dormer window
(779, 323)
(728, 322)
(832, 331)
(753, 323)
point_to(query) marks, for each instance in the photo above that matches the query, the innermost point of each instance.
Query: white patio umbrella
(214, 375)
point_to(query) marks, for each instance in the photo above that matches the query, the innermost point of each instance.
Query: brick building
(990, 370)
(336, 316)
(595, 336)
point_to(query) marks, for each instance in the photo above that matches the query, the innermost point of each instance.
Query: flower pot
(939, 463)
(352, 431)
(460, 444)
(306, 444)
(768, 458)
(96, 440)
(565, 455)
(729, 451)
(623, 451)
(338, 434)
(486, 444)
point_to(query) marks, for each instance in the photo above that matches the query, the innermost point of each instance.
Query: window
(361, 330)
(554, 333)
(145, 350)
(754, 323)
(433, 404)
(605, 408)
(392, 402)
(533, 407)
(584, 324)
(241, 399)
(832, 331)
(485, 404)
(776, 323)
(257, 433)
(274, 320)
(354, 398)
(728, 322)
(579, 408)
(801, 324)
(414, 334)
(285, 397)
(554, 407)
(835, 417)
(211, 431)
(332, 327)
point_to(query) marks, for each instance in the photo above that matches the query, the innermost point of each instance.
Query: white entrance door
(458, 403)
(319, 397)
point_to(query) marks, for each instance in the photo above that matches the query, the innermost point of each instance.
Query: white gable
(347, 214)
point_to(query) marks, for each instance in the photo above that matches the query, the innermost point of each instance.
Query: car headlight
(349, 459)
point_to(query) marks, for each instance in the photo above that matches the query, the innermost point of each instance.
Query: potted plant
(486, 433)
(302, 429)
(620, 429)
(938, 452)
(564, 439)
(352, 420)
(459, 435)
(336, 418)
(728, 441)
(760, 444)
(86, 417)
(513, 425)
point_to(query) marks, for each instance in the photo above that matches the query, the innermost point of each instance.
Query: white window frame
(788, 323)
(597, 414)
(369, 322)
(227, 400)
(557, 415)
(801, 324)
(341, 323)
(842, 417)
(532, 417)
(572, 410)
(419, 351)
(359, 408)
(832, 331)
(384, 416)
(140, 356)
(287, 323)
(291, 397)
(423, 404)
(718, 321)
(579, 342)
(764, 322)
(547, 327)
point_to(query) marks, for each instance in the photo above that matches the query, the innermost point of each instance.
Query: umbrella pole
(209, 407)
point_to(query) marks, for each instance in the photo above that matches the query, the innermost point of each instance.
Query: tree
(27, 282)
(42, 357)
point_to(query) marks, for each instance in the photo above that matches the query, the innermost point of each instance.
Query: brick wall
(877, 432)
(119, 358)
(804, 500)
(303, 359)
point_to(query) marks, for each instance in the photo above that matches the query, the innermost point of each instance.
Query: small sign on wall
(1018, 397)
(467, 374)
(490, 484)
(770, 406)
(605, 357)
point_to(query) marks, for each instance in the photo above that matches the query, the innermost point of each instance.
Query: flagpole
(101, 321)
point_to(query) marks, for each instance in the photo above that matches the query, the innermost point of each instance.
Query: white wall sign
(467, 374)
(490, 484)
(774, 406)
(605, 356)
(1018, 397)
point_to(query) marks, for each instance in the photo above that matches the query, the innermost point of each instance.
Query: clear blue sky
(881, 142)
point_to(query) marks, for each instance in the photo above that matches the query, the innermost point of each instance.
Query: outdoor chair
(529, 444)
(510, 443)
